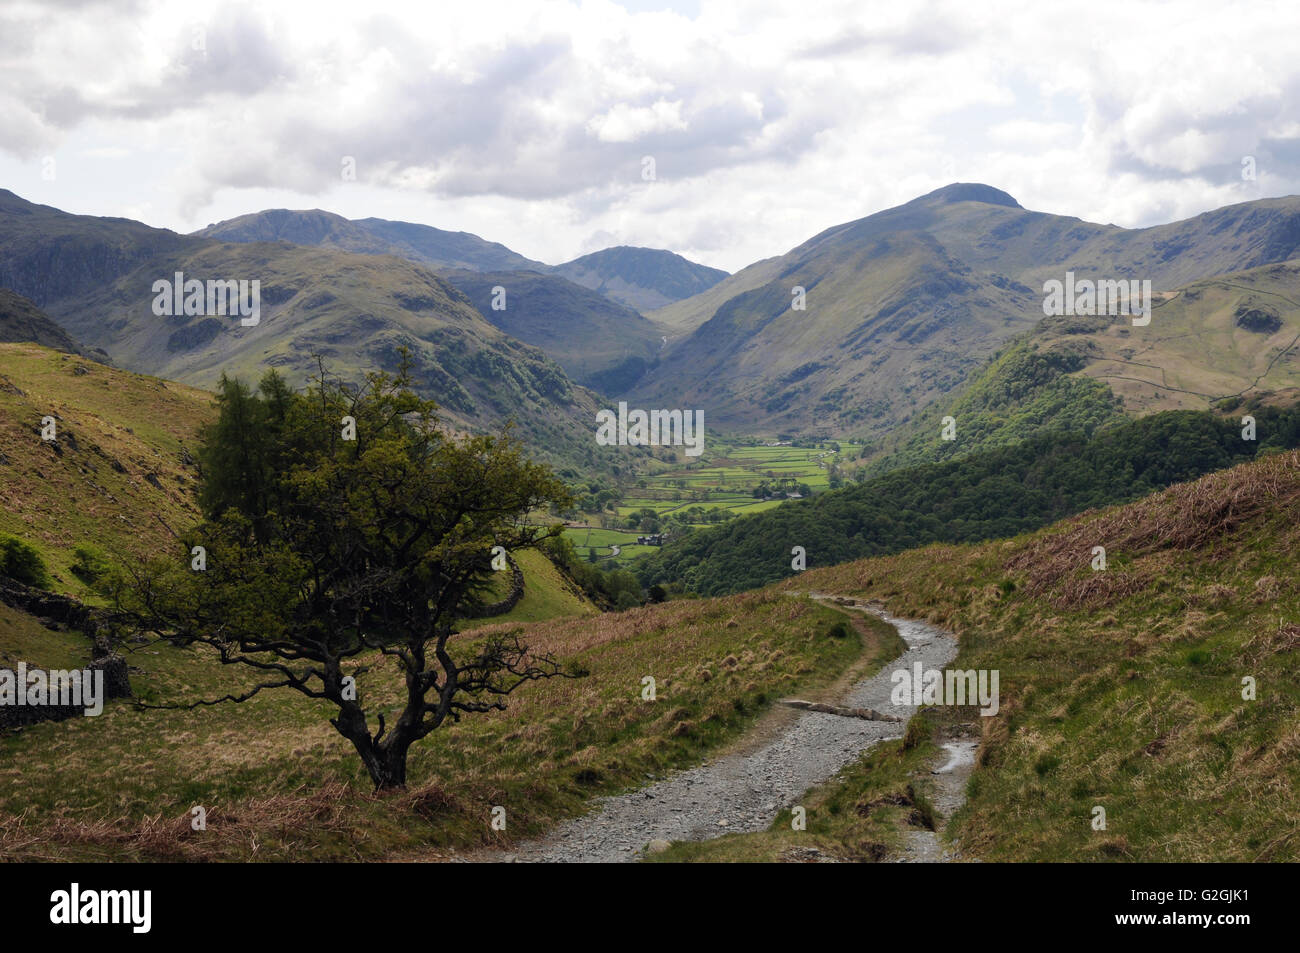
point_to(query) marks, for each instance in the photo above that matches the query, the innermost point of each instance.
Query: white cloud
(526, 121)
(624, 123)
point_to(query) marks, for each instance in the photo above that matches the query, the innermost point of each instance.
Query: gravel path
(744, 791)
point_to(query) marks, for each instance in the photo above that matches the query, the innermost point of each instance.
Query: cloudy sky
(533, 123)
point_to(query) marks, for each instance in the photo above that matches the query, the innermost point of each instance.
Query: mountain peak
(641, 278)
(969, 192)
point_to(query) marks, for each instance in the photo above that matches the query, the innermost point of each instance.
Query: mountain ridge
(948, 277)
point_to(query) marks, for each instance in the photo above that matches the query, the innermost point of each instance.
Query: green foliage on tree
(615, 589)
(20, 561)
(325, 552)
(89, 564)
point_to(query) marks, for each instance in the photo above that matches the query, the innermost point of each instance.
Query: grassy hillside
(121, 478)
(1231, 342)
(547, 594)
(682, 317)
(118, 477)
(278, 783)
(1229, 337)
(994, 493)
(24, 639)
(1123, 688)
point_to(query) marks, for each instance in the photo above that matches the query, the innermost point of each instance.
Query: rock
(657, 846)
(117, 683)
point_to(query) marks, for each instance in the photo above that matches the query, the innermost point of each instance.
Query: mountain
(572, 312)
(20, 320)
(308, 227)
(421, 244)
(355, 311)
(443, 249)
(95, 277)
(598, 342)
(47, 254)
(901, 306)
(641, 278)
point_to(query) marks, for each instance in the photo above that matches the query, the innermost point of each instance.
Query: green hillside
(1231, 342)
(547, 595)
(120, 477)
(994, 493)
(1121, 688)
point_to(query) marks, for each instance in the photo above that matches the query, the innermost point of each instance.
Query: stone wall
(55, 610)
(509, 602)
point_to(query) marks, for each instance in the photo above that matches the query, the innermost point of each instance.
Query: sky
(725, 130)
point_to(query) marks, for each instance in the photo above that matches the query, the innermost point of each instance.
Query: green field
(725, 478)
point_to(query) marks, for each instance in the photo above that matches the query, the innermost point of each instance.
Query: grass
(24, 639)
(278, 783)
(547, 594)
(1124, 689)
(723, 479)
(115, 431)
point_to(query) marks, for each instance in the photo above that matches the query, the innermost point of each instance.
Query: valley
(675, 592)
(733, 478)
